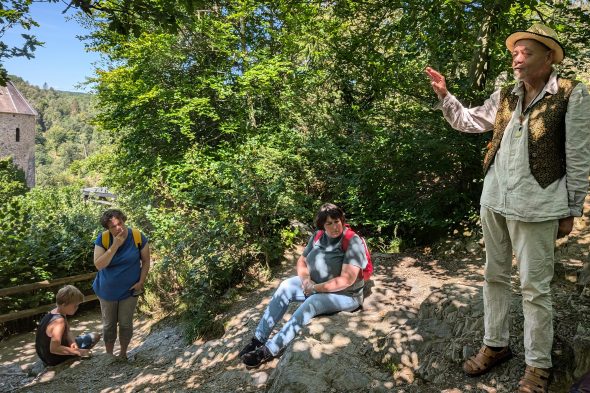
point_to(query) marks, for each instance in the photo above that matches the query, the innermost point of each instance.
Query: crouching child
(54, 342)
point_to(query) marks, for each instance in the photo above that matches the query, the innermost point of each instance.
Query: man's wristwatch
(313, 290)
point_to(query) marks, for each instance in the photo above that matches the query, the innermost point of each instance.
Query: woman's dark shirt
(325, 259)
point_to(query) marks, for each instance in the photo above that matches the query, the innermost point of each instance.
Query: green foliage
(202, 255)
(46, 234)
(12, 180)
(226, 122)
(219, 217)
(230, 123)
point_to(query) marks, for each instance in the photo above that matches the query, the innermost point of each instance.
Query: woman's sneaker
(254, 344)
(256, 357)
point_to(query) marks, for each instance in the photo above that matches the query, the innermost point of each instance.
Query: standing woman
(123, 262)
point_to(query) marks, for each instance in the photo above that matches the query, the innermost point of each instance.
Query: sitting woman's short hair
(110, 214)
(329, 210)
(68, 295)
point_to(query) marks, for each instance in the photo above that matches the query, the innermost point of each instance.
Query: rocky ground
(423, 315)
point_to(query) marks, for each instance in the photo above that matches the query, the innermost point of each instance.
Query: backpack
(365, 273)
(106, 238)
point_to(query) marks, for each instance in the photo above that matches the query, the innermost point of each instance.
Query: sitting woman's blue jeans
(289, 291)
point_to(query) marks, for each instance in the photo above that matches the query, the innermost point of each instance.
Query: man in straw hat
(536, 177)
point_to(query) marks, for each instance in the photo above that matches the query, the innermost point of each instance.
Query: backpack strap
(136, 237)
(106, 239)
(318, 235)
(348, 234)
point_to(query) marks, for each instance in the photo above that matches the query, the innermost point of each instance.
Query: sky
(62, 62)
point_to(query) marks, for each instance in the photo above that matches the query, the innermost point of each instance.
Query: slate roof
(12, 101)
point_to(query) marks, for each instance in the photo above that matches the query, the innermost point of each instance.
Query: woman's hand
(120, 238)
(308, 288)
(137, 288)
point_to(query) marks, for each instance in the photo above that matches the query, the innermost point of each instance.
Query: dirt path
(404, 288)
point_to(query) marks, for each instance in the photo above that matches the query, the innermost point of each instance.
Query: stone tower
(17, 130)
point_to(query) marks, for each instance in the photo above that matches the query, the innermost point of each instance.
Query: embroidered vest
(546, 137)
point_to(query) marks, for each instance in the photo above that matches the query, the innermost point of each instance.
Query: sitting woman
(328, 280)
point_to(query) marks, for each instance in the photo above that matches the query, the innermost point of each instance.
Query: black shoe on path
(254, 344)
(256, 357)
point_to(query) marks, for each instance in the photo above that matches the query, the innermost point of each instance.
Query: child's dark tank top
(42, 341)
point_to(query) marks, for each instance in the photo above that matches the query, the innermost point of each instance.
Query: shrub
(12, 180)
(216, 215)
(46, 234)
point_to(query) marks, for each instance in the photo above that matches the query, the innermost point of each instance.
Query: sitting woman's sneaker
(254, 344)
(256, 357)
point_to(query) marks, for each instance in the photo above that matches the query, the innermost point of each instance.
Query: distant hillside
(64, 130)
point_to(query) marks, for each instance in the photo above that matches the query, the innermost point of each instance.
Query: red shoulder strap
(348, 234)
(318, 235)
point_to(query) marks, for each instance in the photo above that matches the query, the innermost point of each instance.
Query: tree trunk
(480, 62)
(249, 101)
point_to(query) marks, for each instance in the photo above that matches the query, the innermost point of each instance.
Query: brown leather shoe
(484, 360)
(535, 380)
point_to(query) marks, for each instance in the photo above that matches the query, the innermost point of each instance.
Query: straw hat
(541, 33)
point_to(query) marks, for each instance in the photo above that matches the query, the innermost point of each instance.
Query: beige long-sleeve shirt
(509, 187)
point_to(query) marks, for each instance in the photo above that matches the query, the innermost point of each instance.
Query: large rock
(330, 355)
(449, 329)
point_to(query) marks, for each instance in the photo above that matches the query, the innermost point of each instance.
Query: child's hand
(74, 345)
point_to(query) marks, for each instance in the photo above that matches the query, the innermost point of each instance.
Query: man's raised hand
(437, 81)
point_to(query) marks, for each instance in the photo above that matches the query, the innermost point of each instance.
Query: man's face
(531, 61)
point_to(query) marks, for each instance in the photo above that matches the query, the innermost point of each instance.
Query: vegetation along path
(422, 317)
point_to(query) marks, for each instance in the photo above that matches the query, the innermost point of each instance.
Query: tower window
(17, 134)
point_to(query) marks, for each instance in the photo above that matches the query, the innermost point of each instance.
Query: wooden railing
(11, 316)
